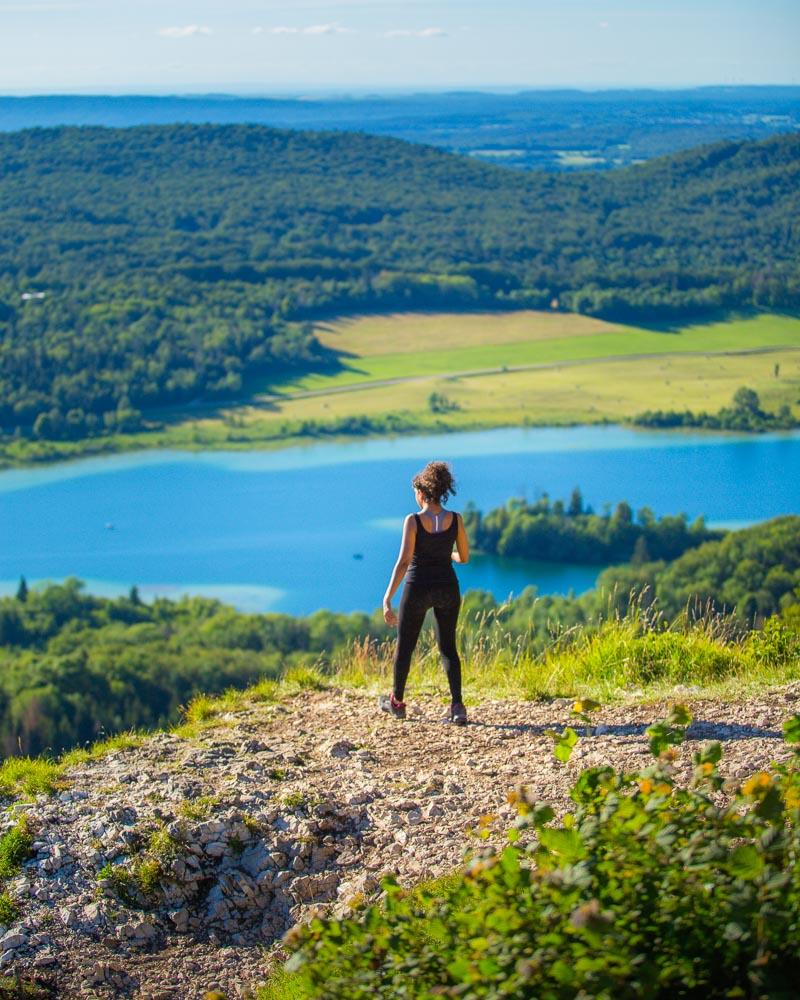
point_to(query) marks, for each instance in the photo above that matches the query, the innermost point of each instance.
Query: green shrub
(645, 890)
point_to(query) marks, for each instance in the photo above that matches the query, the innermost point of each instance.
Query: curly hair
(435, 482)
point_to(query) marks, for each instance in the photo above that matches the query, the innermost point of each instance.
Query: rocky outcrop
(168, 869)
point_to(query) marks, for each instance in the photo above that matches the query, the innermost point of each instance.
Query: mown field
(589, 370)
(407, 345)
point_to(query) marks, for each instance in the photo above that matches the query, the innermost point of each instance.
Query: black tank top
(431, 564)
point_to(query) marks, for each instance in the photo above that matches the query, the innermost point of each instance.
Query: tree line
(571, 531)
(744, 414)
(156, 265)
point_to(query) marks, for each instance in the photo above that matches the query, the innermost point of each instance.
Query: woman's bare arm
(400, 567)
(461, 555)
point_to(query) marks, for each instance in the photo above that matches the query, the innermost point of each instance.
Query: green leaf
(679, 716)
(566, 844)
(564, 744)
(745, 862)
(771, 806)
(710, 753)
(661, 736)
(791, 729)
(589, 781)
(460, 969)
(542, 814)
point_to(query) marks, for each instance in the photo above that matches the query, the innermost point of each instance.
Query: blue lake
(280, 530)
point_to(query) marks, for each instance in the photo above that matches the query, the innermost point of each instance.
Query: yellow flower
(753, 785)
(707, 768)
(664, 788)
(792, 798)
(645, 786)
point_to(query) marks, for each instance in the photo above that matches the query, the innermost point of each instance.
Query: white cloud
(313, 29)
(415, 33)
(258, 30)
(604, 24)
(184, 32)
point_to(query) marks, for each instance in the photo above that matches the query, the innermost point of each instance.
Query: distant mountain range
(546, 129)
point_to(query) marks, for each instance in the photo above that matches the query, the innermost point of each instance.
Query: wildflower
(645, 786)
(792, 798)
(754, 785)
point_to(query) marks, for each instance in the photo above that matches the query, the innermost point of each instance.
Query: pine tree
(641, 553)
(22, 589)
(575, 503)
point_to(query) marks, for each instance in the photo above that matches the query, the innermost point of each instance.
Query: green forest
(156, 265)
(572, 532)
(75, 667)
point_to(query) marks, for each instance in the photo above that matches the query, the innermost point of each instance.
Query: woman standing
(426, 561)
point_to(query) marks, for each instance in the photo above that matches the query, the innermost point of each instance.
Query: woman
(426, 561)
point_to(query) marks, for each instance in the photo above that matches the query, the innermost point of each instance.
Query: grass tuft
(9, 909)
(304, 679)
(199, 808)
(120, 741)
(28, 776)
(16, 846)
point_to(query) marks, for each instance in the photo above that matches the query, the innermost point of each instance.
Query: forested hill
(175, 260)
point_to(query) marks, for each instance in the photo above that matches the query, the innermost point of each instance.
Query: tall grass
(640, 654)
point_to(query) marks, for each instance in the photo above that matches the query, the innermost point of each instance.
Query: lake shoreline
(157, 441)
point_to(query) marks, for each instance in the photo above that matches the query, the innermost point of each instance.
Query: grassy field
(409, 345)
(583, 393)
(496, 369)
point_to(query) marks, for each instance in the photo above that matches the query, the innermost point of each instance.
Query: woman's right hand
(389, 615)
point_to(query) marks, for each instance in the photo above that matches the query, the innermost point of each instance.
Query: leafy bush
(645, 890)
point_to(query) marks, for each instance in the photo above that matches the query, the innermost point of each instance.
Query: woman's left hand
(388, 614)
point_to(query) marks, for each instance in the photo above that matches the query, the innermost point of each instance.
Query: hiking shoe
(388, 703)
(458, 714)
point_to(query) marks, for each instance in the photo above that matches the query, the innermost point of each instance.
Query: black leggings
(445, 601)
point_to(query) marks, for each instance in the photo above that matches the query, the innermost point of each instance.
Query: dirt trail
(294, 806)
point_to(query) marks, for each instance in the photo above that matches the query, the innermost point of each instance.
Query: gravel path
(281, 809)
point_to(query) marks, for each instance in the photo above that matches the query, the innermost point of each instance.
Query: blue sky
(261, 46)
